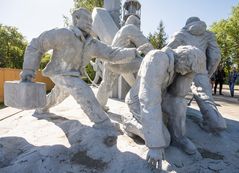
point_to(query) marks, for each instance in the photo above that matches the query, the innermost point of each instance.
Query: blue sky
(32, 17)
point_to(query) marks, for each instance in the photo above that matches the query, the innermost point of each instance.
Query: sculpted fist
(155, 157)
(144, 49)
(27, 75)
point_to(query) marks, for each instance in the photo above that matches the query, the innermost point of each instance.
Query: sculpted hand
(155, 157)
(144, 49)
(27, 75)
(138, 54)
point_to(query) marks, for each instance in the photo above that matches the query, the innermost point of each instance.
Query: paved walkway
(64, 141)
(227, 105)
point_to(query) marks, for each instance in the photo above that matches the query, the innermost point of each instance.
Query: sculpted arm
(140, 41)
(213, 54)
(34, 51)
(175, 41)
(97, 49)
(153, 72)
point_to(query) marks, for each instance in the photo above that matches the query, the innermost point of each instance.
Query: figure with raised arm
(73, 48)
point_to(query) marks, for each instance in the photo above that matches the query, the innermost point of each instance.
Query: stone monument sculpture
(194, 33)
(106, 23)
(128, 36)
(163, 81)
(72, 50)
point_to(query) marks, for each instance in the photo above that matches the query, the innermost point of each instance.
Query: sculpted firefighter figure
(128, 36)
(163, 81)
(195, 33)
(72, 50)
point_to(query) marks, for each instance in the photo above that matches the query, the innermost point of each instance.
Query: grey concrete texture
(24, 95)
(64, 141)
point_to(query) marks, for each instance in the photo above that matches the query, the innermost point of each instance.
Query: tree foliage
(158, 39)
(226, 32)
(88, 4)
(12, 47)
(45, 59)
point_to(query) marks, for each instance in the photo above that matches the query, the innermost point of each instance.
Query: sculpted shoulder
(64, 31)
(180, 33)
(156, 56)
(210, 33)
(129, 29)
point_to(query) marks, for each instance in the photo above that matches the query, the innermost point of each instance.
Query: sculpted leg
(130, 78)
(132, 100)
(153, 76)
(156, 135)
(84, 96)
(56, 96)
(175, 108)
(132, 123)
(213, 120)
(106, 86)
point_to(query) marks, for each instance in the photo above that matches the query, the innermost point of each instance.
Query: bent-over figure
(163, 81)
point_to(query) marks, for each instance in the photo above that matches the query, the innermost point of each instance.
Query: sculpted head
(81, 18)
(189, 59)
(133, 20)
(234, 68)
(195, 26)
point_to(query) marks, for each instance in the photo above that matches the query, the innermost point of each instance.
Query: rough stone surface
(73, 48)
(24, 95)
(65, 142)
(103, 25)
(195, 33)
(128, 36)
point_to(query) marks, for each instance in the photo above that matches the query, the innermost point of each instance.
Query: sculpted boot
(185, 144)
(42, 111)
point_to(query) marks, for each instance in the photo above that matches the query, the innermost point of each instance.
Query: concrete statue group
(159, 81)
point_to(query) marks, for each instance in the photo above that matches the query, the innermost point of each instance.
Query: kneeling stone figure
(164, 79)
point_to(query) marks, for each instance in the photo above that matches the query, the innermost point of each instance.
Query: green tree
(45, 59)
(88, 4)
(12, 47)
(158, 39)
(227, 36)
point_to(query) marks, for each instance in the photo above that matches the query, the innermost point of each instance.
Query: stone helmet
(195, 26)
(192, 19)
(131, 7)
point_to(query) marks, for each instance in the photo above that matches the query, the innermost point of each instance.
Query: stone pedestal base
(24, 95)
